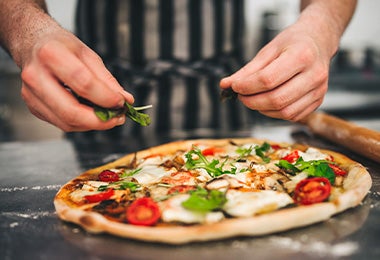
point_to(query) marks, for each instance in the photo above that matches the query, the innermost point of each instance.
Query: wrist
(23, 24)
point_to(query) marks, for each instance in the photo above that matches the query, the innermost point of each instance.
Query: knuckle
(82, 78)
(306, 56)
(267, 81)
(28, 75)
(278, 101)
(287, 113)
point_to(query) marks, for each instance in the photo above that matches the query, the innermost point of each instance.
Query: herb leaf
(204, 200)
(131, 112)
(314, 168)
(213, 168)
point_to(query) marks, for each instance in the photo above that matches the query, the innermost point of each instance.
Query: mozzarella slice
(312, 154)
(246, 204)
(173, 211)
(151, 174)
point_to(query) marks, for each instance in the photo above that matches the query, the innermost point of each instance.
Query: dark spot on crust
(87, 221)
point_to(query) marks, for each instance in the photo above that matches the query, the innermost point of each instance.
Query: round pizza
(208, 189)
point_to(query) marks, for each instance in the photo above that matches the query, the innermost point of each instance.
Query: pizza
(209, 189)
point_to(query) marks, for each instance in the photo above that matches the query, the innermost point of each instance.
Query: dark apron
(172, 54)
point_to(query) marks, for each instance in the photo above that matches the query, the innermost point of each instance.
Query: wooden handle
(358, 139)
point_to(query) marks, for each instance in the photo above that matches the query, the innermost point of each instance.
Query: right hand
(60, 59)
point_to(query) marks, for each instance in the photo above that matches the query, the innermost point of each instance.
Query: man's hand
(288, 78)
(55, 64)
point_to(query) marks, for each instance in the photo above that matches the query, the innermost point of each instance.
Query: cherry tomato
(312, 190)
(105, 195)
(275, 146)
(292, 157)
(337, 170)
(181, 189)
(108, 176)
(143, 212)
(212, 151)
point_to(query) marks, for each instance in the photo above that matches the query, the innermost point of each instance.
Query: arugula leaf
(314, 168)
(259, 150)
(288, 167)
(204, 201)
(120, 185)
(131, 112)
(195, 160)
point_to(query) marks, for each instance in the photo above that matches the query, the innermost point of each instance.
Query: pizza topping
(317, 168)
(205, 200)
(97, 197)
(181, 189)
(312, 190)
(212, 151)
(246, 204)
(195, 160)
(337, 170)
(143, 212)
(173, 211)
(292, 157)
(108, 176)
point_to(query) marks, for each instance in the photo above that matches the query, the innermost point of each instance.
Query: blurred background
(354, 91)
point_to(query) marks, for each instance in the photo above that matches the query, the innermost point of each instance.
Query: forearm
(22, 22)
(328, 18)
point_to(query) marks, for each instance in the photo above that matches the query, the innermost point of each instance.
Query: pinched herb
(314, 168)
(131, 112)
(228, 93)
(196, 160)
(203, 200)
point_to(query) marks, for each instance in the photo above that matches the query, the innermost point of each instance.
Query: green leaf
(288, 167)
(131, 112)
(195, 160)
(138, 117)
(314, 168)
(203, 200)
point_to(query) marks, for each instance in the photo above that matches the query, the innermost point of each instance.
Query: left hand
(288, 78)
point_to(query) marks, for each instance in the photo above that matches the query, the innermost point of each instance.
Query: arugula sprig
(131, 112)
(314, 168)
(259, 151)
(203, 200)
(196, 160)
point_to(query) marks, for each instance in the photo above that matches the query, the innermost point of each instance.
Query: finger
(96, 65)
(280, 70)
(74, 73)
(286, 94)
(299, 109)
(262, 59)
(67, 114)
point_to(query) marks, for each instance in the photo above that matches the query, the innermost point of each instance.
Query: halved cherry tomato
(181, 189)
(108, 176)
(212, 151)
(143, 212)
(312, 190)
(337, 170)
(292, 157)
(275, 146)
(105, 195)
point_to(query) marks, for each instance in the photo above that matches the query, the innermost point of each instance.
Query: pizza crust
(357, 185)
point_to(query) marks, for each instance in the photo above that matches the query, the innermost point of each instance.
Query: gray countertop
(32, 173)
